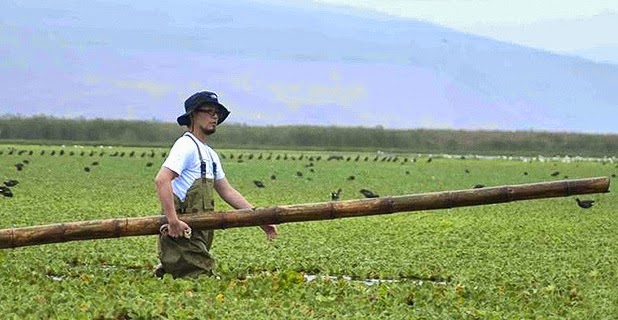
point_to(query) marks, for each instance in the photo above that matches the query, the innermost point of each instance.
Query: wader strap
(202, 162)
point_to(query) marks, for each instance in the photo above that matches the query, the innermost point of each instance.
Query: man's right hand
(177, 228)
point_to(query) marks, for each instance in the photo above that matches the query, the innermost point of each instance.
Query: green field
(538, 259)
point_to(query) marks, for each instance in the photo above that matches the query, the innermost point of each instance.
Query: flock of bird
(6, 191)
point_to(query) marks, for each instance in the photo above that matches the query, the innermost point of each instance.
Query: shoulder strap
(202, 162)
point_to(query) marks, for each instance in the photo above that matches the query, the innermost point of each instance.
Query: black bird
(478, 186)
(555, 173)
(298, 173)
(96, 163)
(350, 178)
(584, 203)
(273, 177)
(335, 194)
(467, 171)
(368, 193)
(149, 164)
(259, 184)
(19, 166)
(11, 183)
(87, 169)
(6, 192)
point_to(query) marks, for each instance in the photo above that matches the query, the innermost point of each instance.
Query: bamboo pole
(138, 226)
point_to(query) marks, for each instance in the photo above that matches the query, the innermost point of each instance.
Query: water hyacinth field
(541, 259)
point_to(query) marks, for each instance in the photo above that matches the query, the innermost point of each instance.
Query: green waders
(182, 257)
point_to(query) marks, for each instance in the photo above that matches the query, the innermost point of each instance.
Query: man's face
(206, 118)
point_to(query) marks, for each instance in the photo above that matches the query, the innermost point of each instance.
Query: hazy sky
(567, 26)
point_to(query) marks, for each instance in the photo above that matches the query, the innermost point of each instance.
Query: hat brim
(185, 120)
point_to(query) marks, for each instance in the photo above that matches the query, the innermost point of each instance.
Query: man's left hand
(270, 230)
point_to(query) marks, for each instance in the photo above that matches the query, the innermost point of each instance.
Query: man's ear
(191, 120)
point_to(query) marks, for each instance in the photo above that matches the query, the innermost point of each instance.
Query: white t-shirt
(184, 159)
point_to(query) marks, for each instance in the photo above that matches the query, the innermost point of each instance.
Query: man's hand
(178, 228)
(270, 230)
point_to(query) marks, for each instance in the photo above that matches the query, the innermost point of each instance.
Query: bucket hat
(200, 99)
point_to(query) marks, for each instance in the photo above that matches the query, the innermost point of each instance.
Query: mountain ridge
(277, 65)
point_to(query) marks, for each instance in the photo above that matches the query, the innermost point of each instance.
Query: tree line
(51, 130)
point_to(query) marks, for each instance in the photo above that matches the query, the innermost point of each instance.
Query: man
(185, 185)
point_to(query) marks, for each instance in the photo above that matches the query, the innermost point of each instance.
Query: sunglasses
(210, 112)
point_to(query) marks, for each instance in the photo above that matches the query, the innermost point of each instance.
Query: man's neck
(199, 135)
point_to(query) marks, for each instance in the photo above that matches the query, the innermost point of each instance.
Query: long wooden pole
(125, 227)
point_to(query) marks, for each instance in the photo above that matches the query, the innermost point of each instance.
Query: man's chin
(209, 131)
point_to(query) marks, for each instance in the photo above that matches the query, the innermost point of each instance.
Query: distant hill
(288, 64)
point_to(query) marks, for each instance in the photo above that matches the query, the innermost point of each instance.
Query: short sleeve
(179, 157)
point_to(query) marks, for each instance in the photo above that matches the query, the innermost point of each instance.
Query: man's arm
(238, 201)
(163, 184)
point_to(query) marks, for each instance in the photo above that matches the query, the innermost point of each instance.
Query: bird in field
(259, 184)
(585, 204)
(6, 192)
(555, 173)
(478, 186)
(350, 178)
(19, 166)
(11, 183)
(87, 169)
(273, 177)
(335, 194)
(368, 193)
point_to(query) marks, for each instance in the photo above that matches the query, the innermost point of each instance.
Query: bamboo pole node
(277, 215)
(505, 196)
(117, 229)
(223, 221)
(12, 241)
(332, 211)
(568, 187)
(391, 205)
(449, 200)
(509, 194)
